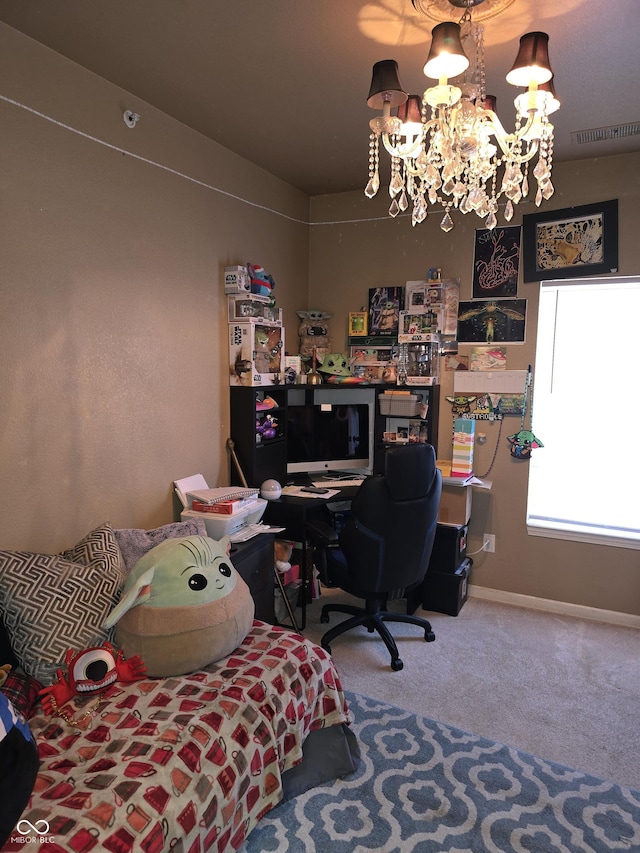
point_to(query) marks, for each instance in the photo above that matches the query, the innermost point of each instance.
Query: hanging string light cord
(183, 175)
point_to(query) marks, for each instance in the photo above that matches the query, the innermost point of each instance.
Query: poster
(385, 304)
(496, 262)
(499, 321)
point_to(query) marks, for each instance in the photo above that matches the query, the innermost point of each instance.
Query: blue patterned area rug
(427, 787)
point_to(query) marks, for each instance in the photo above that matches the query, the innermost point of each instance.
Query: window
(584, 484)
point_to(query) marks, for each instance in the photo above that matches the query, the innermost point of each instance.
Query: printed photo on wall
(500, 321)
(496, 262)
(385, 304)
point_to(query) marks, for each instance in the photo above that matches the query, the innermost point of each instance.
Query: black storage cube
(446, 592)
(449, 547)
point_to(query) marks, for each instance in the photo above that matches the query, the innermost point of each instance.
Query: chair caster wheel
(397, 665)
(324, 617)
(429, 636)
(327, 648)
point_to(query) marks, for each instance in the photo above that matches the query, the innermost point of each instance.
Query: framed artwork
(496, 262)
(492, 321)
(575, 242)
(385, 304)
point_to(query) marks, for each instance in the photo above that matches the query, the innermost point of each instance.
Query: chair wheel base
(324, 617)
(429, 636)
(397, 665)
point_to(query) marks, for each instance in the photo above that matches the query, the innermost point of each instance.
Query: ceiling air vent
(600, 134)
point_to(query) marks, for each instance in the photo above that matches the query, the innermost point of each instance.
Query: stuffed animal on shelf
(183, 606)
(313, 332)
(267, 427)
(335, 368)
(88, 672)
(261, 282)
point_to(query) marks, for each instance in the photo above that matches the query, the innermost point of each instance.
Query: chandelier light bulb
(446, 56)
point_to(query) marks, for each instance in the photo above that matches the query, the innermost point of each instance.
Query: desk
(294, 514)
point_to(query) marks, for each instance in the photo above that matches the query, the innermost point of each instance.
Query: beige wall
(113, 368)
(347, 258)
(113, 329)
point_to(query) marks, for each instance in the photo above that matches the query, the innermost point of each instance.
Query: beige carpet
(562, 688)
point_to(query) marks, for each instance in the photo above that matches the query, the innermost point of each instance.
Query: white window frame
(606, 361)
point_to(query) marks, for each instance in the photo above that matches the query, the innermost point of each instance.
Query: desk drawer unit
(254, 563)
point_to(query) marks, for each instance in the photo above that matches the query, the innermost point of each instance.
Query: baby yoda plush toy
(183, 606)
(336, 369)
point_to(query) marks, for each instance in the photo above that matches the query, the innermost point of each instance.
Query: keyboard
(338, 484)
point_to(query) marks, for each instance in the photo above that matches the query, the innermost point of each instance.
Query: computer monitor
(330, 429)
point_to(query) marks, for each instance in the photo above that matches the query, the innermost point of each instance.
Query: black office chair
(383, 551)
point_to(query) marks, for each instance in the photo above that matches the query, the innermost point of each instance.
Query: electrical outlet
(489, 543)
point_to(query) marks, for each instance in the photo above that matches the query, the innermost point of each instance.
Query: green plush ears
(138, 593)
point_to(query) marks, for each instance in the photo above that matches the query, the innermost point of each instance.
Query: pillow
(134, 544)
(52, 603)
(183, 606)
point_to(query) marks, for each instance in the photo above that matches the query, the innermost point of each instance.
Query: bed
(189, 763)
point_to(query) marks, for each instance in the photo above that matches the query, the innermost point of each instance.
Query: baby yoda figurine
(335, 368)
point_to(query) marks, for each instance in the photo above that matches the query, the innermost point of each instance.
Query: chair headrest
(409, 471)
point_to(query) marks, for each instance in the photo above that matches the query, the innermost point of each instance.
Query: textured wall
(113, 332)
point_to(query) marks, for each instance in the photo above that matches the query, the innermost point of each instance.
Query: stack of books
(222, 501)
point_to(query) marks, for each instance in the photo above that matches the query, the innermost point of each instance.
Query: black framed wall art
(575, 242)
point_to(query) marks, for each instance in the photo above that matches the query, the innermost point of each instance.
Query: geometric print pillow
(52, 603)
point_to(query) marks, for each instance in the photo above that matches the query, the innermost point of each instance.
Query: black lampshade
(411, 110)
(446, 55)
(532, 62)
(490, 103)
(385, 85)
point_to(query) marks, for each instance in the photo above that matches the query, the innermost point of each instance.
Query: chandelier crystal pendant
(449, 146)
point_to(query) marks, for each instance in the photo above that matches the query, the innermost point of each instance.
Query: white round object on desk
(270, 490)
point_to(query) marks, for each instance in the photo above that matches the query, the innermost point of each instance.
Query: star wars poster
(385, 304)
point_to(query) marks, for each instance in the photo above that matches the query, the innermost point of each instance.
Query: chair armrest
(321, 534)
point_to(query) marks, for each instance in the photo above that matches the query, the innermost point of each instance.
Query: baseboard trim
(564, 608)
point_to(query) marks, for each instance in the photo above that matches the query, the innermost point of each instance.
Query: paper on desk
(251, 530)
(296, 492)
(466, 481)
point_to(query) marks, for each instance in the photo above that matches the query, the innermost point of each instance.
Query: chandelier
(449, 146)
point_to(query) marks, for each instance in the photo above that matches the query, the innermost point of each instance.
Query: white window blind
(584, 484)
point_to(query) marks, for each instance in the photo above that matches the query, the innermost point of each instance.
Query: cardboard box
(256, 354)
(446, 592)
(236, 280)
(455, 504)
(417, 327)
(463, 438)
(253, 308)
(292, 369)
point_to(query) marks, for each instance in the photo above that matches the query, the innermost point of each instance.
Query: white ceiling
(284, 82)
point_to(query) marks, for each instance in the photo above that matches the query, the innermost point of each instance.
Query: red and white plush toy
(89, 672)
